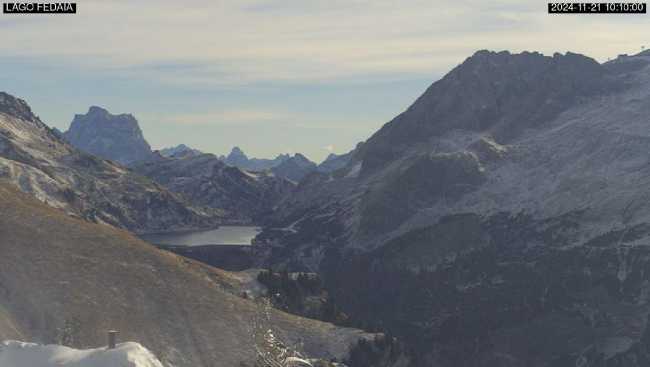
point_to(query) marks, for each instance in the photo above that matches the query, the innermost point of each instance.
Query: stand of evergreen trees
(302, 294)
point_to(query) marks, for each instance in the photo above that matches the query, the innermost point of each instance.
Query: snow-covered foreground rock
(18, 354)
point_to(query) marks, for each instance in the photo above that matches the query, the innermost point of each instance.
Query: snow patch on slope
(18, 354)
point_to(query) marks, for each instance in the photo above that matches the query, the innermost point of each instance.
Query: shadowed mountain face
(334, 162)
(36, 160)
(62, 278)
(500, 221)
(294, 168)
(206, 181)
(500, 94)
(114, 137)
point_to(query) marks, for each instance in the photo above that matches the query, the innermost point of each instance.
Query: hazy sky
(274, 76)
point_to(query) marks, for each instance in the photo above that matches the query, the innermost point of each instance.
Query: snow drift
(18, 354)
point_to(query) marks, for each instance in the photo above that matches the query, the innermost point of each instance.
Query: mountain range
(501, 220)
(237, 158)
(120, 139)
(294, 168)
(205, 181)
(36, 160)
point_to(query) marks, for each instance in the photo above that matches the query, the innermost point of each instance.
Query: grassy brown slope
(55, 269)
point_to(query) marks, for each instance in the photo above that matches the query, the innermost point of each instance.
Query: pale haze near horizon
(274, 76)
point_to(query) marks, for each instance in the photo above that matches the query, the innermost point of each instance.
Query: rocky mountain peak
(236, 152)
(16, 107)
(526, 64)
(34, 159)
(237, 157)
(99, 115)
(498, 93)
(179, 151)
(300, 158)
(115, 137)
(96, 110)
(295, 168)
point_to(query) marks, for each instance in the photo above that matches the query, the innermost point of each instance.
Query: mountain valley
(501, 220)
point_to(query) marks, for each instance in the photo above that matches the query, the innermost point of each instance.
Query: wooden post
(112, 339)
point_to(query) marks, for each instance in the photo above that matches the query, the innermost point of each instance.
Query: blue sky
(274, 76)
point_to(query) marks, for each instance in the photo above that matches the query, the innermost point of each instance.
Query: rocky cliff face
(114, 137)
(36, 160)
(67, 280)
(500, 220)
(206, 181)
